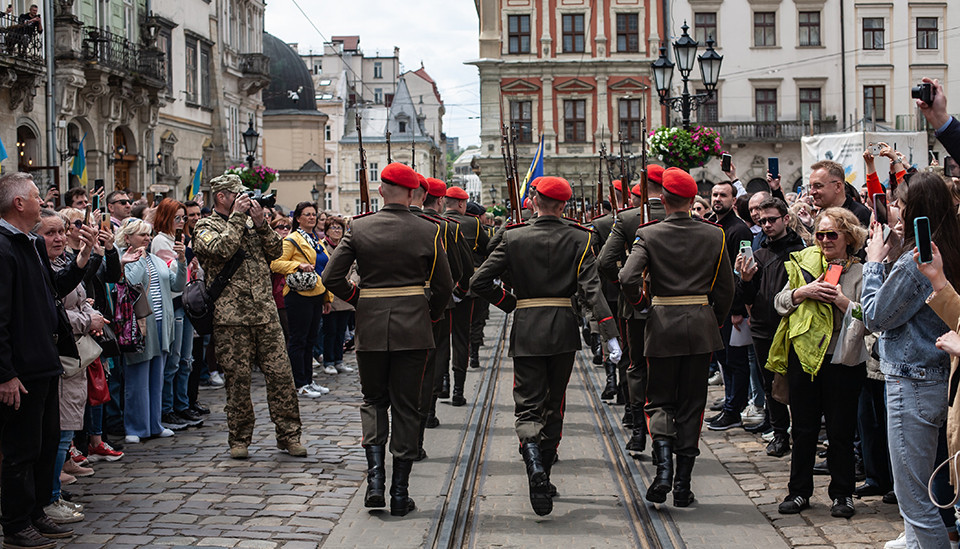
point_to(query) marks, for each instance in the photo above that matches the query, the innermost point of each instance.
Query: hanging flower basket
(685, 149)
(259, 178)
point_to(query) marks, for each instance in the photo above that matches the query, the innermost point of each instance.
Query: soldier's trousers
(238, 349)
(637, 371)
(440, 355)
(392, 380)
(539, 389)
(625, 359)
(481, 312)
(676, 396)
(460, 332)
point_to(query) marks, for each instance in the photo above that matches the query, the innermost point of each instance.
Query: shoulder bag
(301, 281)
(199, 301)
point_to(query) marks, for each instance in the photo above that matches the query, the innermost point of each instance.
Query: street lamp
(315, 194)
(250, 137)
(685, 51)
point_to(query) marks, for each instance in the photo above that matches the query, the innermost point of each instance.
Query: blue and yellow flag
(3, 151)
(197, 177)
(535, 171)
(78, 166)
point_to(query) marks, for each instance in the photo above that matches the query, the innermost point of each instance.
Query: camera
(924, 92)
(265, 200)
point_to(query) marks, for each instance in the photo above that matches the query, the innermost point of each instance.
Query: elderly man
(247, 328)
(827, 182)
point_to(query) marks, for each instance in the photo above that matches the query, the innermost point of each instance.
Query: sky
(440, 33)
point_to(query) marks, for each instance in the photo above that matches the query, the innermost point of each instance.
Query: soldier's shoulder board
(358, 216)
(708, 222)
(515, 225)
(429, 217)
(651, 222)
(582, 228)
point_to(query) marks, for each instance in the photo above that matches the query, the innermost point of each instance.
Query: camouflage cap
(228, 183)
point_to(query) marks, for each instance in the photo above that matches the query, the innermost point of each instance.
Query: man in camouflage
(246, 324)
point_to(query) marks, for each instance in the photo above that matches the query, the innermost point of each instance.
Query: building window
(709, 112)
(402, 126)
(377, 69)
(378, 95)
(317, 66)
(575, 121)
(205, 75)
(926, 33)
(197, 65)
(190, 64)
(521, 120)
(766, 105)
(374, 171)
(764, 28)
(705, 26)
(628, 32)
(873, 33)
(809, 28)
(573, 40)
(630, 118)
(328, 165)
(328, 201)
(874, 103)
(374, 204)
(356, 172)
(327, 132)
(164, 42)
(518, 33)
(809, 104)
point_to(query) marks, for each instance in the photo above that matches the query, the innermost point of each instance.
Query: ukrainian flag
(535, 171)
(78, 166)
(197, 177)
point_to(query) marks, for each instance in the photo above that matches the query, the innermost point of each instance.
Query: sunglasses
(178, 218)
(283, 227)
(123, 202)
(77, 223)
(827, 235)
(771, 220)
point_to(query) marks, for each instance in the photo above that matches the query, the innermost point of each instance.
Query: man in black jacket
(946, 127)
(759, 282)
(33, 335)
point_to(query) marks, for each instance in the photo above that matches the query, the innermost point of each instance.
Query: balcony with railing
(113, 51)
(769, 132)
(255, 68)
(22, 41)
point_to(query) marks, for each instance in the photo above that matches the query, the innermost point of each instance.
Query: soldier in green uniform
(603, 225)
(612, 256)
(398, 256)
(548, 261)
(473, 233)
(691, 287)
(247, 328)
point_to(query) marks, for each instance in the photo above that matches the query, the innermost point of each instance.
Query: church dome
(291, 86)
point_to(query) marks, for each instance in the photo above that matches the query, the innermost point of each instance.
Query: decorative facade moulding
(628, 85)
(519, 86)
(574, 85)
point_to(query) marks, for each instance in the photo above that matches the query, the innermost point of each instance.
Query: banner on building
(847, 149)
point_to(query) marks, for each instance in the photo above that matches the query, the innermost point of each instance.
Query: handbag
(98, 392)
(89, 352)
(851, 349)
(108, 342)
(199, 301)
(781, 389)
(301, 281)
(130, 336)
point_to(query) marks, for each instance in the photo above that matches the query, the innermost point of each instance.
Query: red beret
(400, 174)
(526, 202)
(679, 183)
(655, 173)
(423, 181)
(618, 185)
(458, 193)
(535, 182)
(636, 190)
(556, 188)
(435, 187)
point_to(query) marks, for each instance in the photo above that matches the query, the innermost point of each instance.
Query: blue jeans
(334, 332)
(175, 376)
(915, 411)
(113, 410)
(181, 383)
(756, 379)
(63, 449)
(93, 419)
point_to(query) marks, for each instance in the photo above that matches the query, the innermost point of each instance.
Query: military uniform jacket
(615, 250)
(459, 255)
(685, 257)
(248, 298)
(545, 258)
(394, 249)
(474, 233)
(603, 226)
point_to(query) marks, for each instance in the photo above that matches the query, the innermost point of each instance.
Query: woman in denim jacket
(914, 369)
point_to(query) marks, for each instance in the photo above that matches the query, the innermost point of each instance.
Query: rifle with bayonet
(413, 154)
(389, 154)
(624, 174)
(364, 186)
(644, 197)
(598, 207)
(510, 170)
(614, 206)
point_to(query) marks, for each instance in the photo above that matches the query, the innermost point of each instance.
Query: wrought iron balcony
(20, 40)
(116, 52)
(779, 131)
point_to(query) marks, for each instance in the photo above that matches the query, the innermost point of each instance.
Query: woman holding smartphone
(915, 370)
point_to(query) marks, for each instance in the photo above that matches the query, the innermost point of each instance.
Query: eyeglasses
(178, 218)
(77, 223)
(771, 220)
(335, 228)
(827, 235)
(282, 227)
(122, 201)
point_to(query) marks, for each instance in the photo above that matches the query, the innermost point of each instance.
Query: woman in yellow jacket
(303, 253)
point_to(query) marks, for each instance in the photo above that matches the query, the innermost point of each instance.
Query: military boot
(376, 477)
(549, 457)
(459, 378)
(638, 439)
(537, 480)
(610, 390)
(421, 454)
(682, 496)
(597, 348)
(445, 386)
(474, 356)
(663, 457)
(400, 502)
(628, 421)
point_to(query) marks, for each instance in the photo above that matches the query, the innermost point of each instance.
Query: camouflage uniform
(246, 323)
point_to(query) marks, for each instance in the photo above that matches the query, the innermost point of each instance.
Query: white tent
(847, 149)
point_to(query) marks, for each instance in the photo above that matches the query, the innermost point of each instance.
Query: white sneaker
(752, 414)
(308, 391)
(343, 368)
(216, 380)
(330, 370)
(768, 436)
(166, 433)
(899, 543)
(131, 439)
(61, 513)
(319, 388)
(75, 506)
(317, 363)
(715, 379)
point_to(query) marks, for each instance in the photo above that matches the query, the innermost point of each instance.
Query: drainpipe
(843, 65)
(51, 104)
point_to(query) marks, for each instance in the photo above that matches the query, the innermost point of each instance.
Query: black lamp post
(630, 163)
(250, 137)
(685, 51)
(315, 194)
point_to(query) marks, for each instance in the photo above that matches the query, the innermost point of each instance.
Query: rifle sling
(225, 274)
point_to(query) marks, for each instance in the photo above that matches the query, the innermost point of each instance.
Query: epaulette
(628, 209)
(582, 228)
(572, 220)
(358, 216)
(651, 222)
(429, 217)
(515, 225)
(707, 221)
(472, 215)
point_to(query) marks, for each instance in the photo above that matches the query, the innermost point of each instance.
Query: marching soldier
(603, 226)
(398, 255)
(246, 324)
(691, 286)
(474, 234)
(612, 256)
(548, 261)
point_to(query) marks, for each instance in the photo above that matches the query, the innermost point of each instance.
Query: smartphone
(746, 248)
(874, 149)
(773, 166)
(86, 215)
(179, 235)
(921, 232)
(96, 202)
(880, 208)
(833, 275)
(725, 162)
